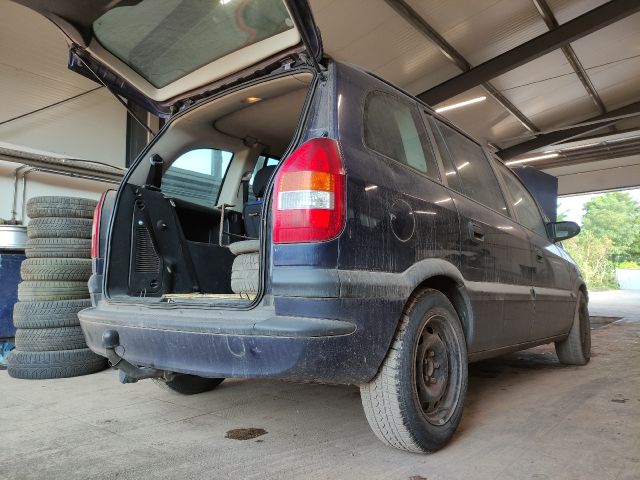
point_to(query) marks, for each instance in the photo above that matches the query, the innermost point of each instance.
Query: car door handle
(477, 233)
(539, 255)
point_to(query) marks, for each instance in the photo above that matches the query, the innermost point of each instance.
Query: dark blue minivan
(299, 218)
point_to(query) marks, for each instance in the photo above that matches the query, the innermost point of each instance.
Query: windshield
(163, 40)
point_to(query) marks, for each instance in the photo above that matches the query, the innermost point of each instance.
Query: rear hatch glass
(163, 40)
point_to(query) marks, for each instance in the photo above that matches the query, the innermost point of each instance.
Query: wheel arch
(443, 276)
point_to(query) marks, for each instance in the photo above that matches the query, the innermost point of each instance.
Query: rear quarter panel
(378, 186)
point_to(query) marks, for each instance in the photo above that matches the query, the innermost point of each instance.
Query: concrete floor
(526, 417)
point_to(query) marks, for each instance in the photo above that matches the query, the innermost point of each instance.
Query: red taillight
(95, 229)
(309, 194)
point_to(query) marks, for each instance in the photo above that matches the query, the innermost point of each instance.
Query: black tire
(191, 384)
(58, 248)
(245, 273)
(51, 206)
(44, 339)
(59, 227)
(576, 348)
(61, 364)
(48, 314)
(415, 402)
(56, 269)
(51, 291)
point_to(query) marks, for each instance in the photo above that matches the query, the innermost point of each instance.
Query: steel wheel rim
(437, 373)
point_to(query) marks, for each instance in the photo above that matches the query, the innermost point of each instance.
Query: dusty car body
(392, 248)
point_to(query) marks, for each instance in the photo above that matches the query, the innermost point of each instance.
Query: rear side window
(471, 170)
(523, 203)
(390, 128)
(197, 175)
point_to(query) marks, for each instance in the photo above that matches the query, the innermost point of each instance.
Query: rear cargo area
(187, 224)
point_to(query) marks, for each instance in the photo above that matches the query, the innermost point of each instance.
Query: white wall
(33, 75)
(92, 127)
(39, 183)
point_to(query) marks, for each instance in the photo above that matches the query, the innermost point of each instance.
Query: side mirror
(559, 231)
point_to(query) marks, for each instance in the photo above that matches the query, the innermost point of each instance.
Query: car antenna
(122, 102)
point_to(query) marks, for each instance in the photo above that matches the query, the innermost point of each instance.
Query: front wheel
(191, 384)
(415, 401)
(576, 348)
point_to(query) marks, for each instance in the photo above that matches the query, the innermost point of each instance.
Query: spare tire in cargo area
(51, 206)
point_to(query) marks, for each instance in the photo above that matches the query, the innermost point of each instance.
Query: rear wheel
(576, 348)
(415, 401)
(191, 384)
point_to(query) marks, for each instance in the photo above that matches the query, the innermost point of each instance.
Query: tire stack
(49, 340)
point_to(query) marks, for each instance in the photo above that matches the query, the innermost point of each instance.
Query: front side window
(472, 170)
(196, 176)
(163, 40)
(390, 128)
(523, 203)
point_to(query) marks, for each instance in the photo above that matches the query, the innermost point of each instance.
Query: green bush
(628, 264)
(592, 254)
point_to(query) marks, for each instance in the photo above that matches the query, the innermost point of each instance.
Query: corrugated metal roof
(371, 34)
(482, 29)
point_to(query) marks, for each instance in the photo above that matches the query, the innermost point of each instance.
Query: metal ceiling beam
(567, 133)
(66, 166)
(588, 156)
(549, 18)
(568, 32)
(410, 15)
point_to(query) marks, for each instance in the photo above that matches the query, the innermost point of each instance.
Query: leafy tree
(562, 216)
(610, 234)
(616, 216)
(593, 255)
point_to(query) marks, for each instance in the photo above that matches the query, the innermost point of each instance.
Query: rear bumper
(255, 343)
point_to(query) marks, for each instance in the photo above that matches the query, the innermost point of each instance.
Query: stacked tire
(49, 340)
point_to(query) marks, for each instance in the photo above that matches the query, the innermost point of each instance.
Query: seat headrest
(262, 179)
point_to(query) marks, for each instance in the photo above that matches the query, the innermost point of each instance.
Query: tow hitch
(129, 373)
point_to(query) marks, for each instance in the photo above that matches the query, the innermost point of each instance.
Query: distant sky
(573, 205)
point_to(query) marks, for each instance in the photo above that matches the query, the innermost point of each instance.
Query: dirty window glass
(197, 175)
(452, 179)
(472, 169)
(391, 129)
(163, 40)
(523, 203)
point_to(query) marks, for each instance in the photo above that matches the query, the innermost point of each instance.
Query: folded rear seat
(246, 266)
